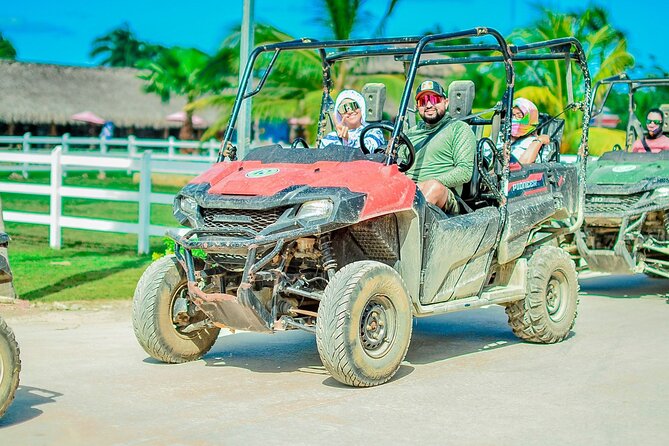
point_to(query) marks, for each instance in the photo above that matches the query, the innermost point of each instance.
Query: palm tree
(7, 50)
(180, 71)
(295, 88)
(121, 48)
(342, 19)
(605, 49)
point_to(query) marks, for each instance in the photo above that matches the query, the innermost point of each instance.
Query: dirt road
(466, 380)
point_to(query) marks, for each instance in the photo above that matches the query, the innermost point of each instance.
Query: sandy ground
(466, 380)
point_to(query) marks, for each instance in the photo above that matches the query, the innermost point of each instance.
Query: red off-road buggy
(340, 242)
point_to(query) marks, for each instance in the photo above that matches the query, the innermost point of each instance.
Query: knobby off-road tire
(548, 312)
(10, 366)
(364, 324)
(162, 282)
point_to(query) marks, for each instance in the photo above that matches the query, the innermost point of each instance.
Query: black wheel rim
(378, 326)
(557, 296)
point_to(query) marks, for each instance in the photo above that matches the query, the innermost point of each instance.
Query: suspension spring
(665, 220)
(329, 261)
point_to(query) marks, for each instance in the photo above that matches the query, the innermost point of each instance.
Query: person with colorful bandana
(655, 141)
(350, 121)
(526, 145)
(445, 149)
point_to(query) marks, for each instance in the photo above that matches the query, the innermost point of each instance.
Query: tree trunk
(186, 132)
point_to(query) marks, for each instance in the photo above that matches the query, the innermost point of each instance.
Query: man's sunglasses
(654, 121)
(433, 99)
(349, 107)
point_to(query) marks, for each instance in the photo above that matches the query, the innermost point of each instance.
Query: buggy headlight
(661, 192)
(315, 209)
(188, 206)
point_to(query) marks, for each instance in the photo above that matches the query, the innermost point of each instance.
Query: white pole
(56, 203)
(26, 149)
(245, 45)
(170, 146)
(144, 204)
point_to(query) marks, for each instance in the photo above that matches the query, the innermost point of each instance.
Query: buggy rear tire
(548, 311)
(364, 324)
(10, 366)
(158, 288)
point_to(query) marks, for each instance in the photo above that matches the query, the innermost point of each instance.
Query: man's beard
(433, 120)
(656, 133)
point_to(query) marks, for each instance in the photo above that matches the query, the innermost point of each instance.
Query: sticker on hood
(620, 169)
(261, 173)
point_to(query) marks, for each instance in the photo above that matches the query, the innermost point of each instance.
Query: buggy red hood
(387, 189)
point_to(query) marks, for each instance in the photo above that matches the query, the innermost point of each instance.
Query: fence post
(66, 148)
(103, 145)
(132, 148)
(55, 207)
(65, 143)
(26, 149)
(144, 204)
(170, 146)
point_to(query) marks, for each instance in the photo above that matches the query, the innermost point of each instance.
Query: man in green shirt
(445, 149)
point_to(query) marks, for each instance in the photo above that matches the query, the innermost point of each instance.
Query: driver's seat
(460, 102)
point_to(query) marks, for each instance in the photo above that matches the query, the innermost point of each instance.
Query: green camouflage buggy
(626, 228)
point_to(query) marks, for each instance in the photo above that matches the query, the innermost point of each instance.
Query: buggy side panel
(537, 193)
(456, 253)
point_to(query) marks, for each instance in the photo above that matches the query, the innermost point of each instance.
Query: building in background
(42, 99)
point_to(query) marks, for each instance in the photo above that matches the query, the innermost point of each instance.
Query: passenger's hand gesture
(342, 131)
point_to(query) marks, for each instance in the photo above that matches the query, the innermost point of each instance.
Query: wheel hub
(373, 327)
(377, 326)
(554, 298)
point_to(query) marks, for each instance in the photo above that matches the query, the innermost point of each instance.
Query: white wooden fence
(166, 147)
(56, 161)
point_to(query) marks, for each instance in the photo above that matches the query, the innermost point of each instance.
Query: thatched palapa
(42, 94)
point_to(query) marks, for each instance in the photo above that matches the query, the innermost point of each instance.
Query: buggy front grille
(610, 204)
(254, 219)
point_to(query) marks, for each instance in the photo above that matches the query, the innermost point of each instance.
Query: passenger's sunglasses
(654, 121)
(433, 99)
(349, 107)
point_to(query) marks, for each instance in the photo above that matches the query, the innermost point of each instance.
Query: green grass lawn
(90, 264)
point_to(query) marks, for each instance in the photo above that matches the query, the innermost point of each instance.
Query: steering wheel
(486, 151)
(403, 166)
(299, 140)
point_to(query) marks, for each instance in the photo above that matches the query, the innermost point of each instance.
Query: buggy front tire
(364, 324)
(161, 284)
(548, 311)
(10, 366)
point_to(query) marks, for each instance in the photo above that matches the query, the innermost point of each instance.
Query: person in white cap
(350, 121)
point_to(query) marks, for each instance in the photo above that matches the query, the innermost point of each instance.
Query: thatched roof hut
(44, 94)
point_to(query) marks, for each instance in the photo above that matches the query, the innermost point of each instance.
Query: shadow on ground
(624, 286)
(434, 339)
(24, 407)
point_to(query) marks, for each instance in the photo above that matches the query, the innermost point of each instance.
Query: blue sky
(62, 31)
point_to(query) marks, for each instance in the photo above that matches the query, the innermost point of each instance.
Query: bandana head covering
(529, 121)
(355, 96)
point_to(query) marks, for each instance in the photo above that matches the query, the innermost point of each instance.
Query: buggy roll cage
(410, 50)
(632, 86)
(622, 78)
